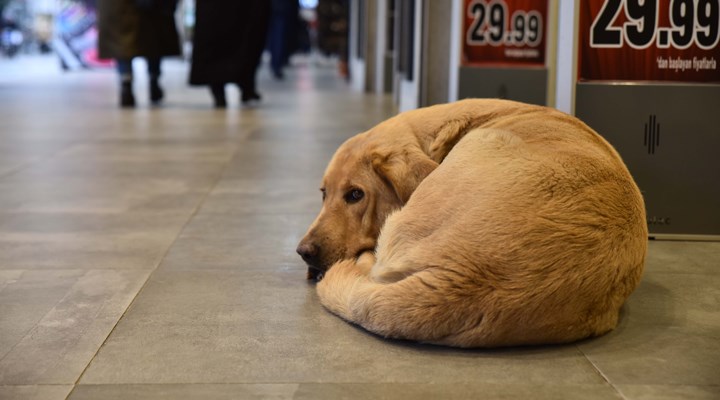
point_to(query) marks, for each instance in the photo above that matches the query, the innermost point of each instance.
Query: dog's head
(370, 176)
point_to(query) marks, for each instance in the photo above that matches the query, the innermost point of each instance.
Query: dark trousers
(124, 68)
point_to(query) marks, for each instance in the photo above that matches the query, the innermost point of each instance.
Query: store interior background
(65, 32)
(381, 38)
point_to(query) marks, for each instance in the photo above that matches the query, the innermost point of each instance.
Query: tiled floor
(149, 254)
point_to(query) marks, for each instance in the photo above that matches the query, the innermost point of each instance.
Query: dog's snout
(308, 252)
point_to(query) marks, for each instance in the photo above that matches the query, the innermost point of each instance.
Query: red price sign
(650, 40)
(504, 32)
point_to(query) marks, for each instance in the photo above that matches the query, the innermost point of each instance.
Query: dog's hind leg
(420, 307)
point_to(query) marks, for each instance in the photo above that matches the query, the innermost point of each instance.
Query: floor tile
(669, 392)
(339, 391)
(320, 350)
(252, 196)
(683, 257)
(155, 151)
(100, 194)
(281, 160)
(559, 391)
(17, 153)
(222, 297)
(87, 240)
(196, 174)
(26, 297)
(267, 327)
(57, 349)
(687, 301)
(669, 334)
(185, 391)
(656, 355)
(35, 392)
(239, 241)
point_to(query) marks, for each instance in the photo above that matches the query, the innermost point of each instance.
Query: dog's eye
(354, 196)
(323, 193)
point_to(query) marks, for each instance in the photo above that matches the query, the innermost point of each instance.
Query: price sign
(504, 32)
(650, 40)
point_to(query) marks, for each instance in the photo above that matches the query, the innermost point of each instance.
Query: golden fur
(484, 223)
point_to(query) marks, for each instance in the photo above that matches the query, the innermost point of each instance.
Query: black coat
(126, 29)
(228, 41)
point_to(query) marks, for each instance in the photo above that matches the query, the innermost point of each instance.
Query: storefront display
(668, 41)
(505, 32)
(504, 46)
(649, 81)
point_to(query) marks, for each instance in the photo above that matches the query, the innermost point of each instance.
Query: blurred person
(14, 17)
(137, 28)
(228, 41)
(43, 12)
(282, 34)
(3, 3)
(333, 25)
(43, 27)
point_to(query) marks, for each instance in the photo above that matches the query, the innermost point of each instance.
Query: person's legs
(218, 94)
(156, 92)
(153, 67)
(253, 45)
(276, 45)
(124, 68)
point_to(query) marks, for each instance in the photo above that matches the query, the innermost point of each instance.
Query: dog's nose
(308, 252)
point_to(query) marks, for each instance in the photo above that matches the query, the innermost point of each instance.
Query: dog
(479, 223)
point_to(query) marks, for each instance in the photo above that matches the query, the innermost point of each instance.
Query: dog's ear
(403, 171)
(448, 136)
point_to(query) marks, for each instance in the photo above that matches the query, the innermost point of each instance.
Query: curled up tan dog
(480, 223)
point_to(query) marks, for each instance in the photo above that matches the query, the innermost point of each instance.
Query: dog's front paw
(340, 283)
(345, 267)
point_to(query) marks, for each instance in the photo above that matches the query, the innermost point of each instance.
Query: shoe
(156, 92)
(278, 74)
(250, 98)
(218, 94)
(127, 99)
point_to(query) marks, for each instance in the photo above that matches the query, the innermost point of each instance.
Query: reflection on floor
(149, 254)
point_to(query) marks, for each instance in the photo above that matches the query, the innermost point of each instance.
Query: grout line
(35, 324)
(602, 374)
